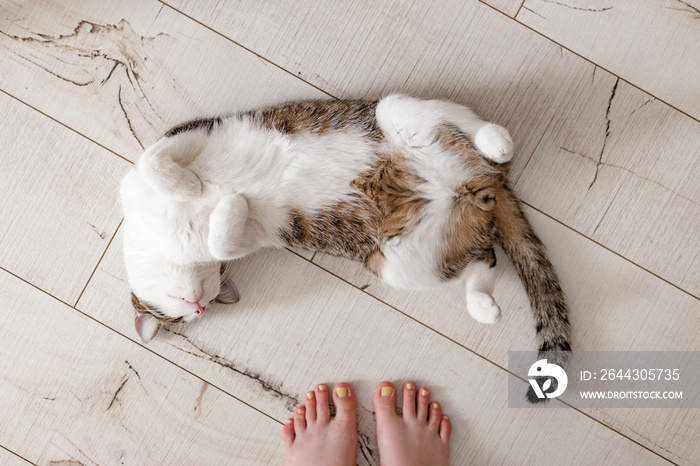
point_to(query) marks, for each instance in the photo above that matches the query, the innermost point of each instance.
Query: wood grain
(77, 391)
(123, 74)
(8, 458)
(297, 326)
(508, 7)
(622, 168)
(653, 45)
(59, 206)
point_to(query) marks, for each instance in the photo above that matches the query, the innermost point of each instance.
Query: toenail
(436, 406)
(310, 395)
(387, 391)
(445, 417)
(300, 410)
(342, 392)
(424, 392)
(409, 386)
(322, 388)
(288, 421)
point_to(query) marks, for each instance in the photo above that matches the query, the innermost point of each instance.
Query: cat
(415, 189)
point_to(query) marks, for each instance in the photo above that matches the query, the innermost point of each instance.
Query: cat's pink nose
(200, 309)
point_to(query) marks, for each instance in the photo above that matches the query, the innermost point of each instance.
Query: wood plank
(508, 7)
(60, 203)
(73, 390)
(297, 326)
(653, 45)
(122, 74)
(9, 458)
(622, 168)
(615, 306)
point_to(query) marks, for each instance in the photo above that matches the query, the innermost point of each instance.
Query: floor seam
(17, 455)
(64, 125)
(97, 266)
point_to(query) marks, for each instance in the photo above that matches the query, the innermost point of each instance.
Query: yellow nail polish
(436, 406)
(300, 410)
(387, 391)
(424, 392)
(446, 417)
(289, 420)
(310, 395)
(322, 388)
(409, 386)
(342, 392)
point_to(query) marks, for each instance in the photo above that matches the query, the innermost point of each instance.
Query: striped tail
(518, 239)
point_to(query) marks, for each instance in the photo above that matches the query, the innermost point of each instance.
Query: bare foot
(418, 437)
(313, 437)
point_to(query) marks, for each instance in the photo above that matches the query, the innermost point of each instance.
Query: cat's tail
(518, 239)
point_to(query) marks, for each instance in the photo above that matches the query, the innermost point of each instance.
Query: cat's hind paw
(483, 308)
(494, 143)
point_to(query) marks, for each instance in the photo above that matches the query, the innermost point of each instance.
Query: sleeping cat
(415, 189)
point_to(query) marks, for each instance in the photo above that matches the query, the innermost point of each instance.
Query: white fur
(413, 122)
(196, 199)
(480, 278)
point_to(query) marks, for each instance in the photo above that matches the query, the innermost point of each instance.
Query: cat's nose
(200, 309)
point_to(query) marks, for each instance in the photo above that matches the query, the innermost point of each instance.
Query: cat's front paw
(483, 308)
(416, 137)
(494, 143)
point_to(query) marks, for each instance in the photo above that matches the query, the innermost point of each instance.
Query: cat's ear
(227, 226)
(146, 326)
(228, 293)
(162, 166)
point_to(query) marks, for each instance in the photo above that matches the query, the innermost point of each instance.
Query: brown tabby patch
(142, 307)
(384, 205)
(391, 185)
(485, 173)
(320, 116)
(206, 124)
(471, 228)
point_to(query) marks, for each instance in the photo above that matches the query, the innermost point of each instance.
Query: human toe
(445, 429)
(409, 400)
(288, 432)
(299, 420)
(434, 416)
(323, 412)
(344, 401)
(310, 406)
(385, 400)
(422, 404)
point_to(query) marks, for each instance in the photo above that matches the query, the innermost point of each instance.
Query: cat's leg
(227, 225)
(162, 165)
(480, 276)
(413, 122)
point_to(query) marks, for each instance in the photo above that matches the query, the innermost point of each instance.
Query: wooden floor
(601, 97)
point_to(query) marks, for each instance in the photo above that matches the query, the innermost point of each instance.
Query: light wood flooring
(602, 98)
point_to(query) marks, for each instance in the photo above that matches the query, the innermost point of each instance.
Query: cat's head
(173, 277)
(165, 293)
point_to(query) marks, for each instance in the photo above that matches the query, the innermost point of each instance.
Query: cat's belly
(407, 270)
